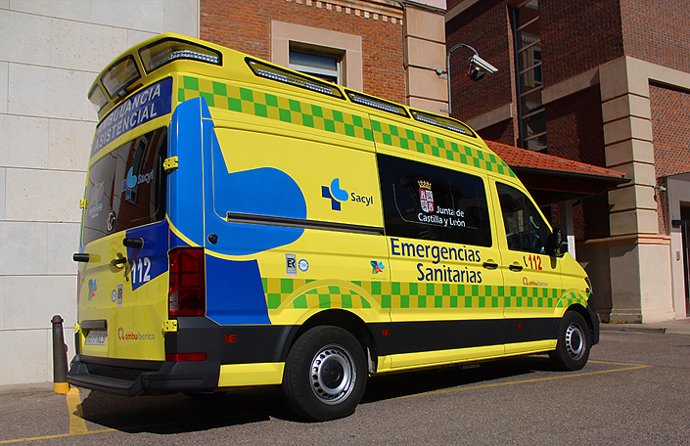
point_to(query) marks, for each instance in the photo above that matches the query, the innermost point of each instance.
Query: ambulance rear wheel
(325, 374)
(574, 341)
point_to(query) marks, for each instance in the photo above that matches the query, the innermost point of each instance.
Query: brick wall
(246, 26)
(657, 31)
(670, 129)
(575, 131)
(575, 127)
(486, 27)
(670, 111)
(578, 36)
(504, 132)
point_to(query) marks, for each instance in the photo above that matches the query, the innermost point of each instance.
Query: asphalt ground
(635, 390)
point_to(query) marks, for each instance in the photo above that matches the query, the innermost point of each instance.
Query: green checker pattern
(284, 293)
(572, 298)
(408, 139)
(279, 108)
(292, 111)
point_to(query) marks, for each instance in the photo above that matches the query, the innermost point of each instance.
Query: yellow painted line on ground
(77, 425)
(627, 364)
(51, 437)
(629, 367)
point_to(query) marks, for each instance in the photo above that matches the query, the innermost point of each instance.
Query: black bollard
(60, 384)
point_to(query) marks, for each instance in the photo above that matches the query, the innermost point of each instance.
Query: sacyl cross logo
(335, 194)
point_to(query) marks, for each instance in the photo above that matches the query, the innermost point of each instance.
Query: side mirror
(564, 247)
(555, 245)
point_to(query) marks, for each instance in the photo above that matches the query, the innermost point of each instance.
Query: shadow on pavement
(411, 383)
(170, 414)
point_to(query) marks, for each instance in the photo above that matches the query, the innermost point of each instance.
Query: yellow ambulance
(248, 225)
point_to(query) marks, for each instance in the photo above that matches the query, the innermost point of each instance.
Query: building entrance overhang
(552, 179)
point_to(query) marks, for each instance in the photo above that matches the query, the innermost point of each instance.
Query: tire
(325, 374)
(574, 342)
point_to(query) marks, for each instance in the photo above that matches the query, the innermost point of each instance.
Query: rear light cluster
(185, 357)
(186, 296)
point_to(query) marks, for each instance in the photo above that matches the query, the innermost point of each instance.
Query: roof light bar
(290, 78)
(443, 122)
(377, 103)
(160, 53)
(97, 97)
(120, 75)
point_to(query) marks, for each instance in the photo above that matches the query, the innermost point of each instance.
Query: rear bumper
(250, 345)
(143, 377)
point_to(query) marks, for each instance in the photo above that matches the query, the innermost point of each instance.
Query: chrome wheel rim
(574, 341)
(332, 374)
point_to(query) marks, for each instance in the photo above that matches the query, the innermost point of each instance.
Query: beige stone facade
(650, 294)
(425, 50)
(50, 55)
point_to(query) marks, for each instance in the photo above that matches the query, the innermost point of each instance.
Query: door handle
(80, 257)
(118, 262)
(135, 243)
(490, 264)
(515, 267)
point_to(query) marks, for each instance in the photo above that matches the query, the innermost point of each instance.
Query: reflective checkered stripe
(408, 139)
(292, 111)
(531, 297)
(572, 298)
(303, 294)
(279, 108)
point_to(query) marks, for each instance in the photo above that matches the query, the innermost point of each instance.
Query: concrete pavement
(633, 391)
(677, 326)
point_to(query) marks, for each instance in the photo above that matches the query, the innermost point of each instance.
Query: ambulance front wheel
(574, 341)
(325, 374)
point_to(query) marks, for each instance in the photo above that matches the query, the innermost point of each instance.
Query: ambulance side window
(525, 229)
(432, 203)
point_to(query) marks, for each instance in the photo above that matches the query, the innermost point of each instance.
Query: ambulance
(248, 225)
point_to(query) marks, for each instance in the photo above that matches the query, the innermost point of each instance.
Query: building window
(526, 30)
(316, 62)
(330, 55)
(431, 203)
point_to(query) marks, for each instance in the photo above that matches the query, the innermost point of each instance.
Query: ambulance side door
(532, 277)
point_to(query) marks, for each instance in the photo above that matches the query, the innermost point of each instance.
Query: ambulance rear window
(126, 188)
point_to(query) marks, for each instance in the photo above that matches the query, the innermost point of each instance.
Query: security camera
(475, 73)
(476, 61)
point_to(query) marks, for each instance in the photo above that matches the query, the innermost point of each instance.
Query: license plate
(96, 337)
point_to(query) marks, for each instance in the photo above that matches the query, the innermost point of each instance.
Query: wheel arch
(578, 308)
(347, 321)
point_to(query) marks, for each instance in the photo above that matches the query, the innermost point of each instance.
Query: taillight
(186, 296)
(185, 357)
